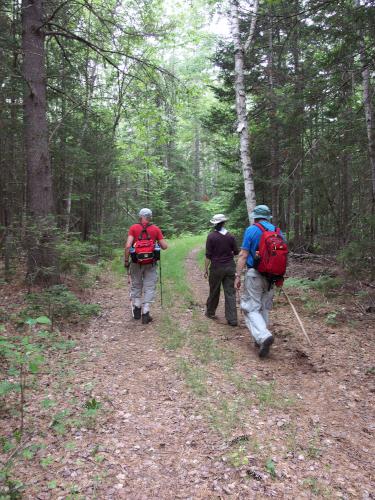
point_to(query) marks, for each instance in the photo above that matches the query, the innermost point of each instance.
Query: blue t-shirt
(251, 239)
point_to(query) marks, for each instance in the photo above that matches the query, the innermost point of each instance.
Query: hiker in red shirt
(143, 237)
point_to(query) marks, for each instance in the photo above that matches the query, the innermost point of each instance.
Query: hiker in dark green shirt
(220, 269)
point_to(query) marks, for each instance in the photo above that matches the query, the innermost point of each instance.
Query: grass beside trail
(203, 361)
(172, 266)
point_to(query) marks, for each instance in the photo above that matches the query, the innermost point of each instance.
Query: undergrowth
(33, 348)
(324, 284)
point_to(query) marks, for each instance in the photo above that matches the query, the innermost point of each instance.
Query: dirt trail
(334, 419)
(157, 439)
(153, 438)
(155, 442)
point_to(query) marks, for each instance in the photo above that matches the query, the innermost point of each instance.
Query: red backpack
(273, 255)
(144, 248)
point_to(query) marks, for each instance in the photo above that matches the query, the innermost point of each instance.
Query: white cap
(145, 212)
(216, 219)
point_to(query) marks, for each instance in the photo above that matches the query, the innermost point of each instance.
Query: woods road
(298, 424)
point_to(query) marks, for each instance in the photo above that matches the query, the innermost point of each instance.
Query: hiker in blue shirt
(257, 296)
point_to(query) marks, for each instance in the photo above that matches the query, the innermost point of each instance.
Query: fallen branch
(304, 256)
(297, 316)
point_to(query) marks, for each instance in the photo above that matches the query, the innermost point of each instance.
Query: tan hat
(216, 219)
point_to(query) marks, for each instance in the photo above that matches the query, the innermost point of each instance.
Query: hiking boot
(232, 323)
(211, 316)
(265, 346)
(146, 318)
(137, 312)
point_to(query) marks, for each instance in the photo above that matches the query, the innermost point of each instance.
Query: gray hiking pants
(223, 275)
(256, 302)
(144, 280)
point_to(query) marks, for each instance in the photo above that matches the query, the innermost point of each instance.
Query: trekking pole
(130, 290)
(297, 316)
(161, 285)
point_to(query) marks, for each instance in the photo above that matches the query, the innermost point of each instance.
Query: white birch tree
(240, 50)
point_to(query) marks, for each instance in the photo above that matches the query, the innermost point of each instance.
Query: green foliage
(173, 275)
(271, 467)
(93, 404)
(327, 284)
(21, 354)
(331, 318)
(60, 421)
(58, 302)
(10, 489)
(23, 357)
(73, 256)
(324, 284)
(358, 258)
(318, 488)
(104, 244)
(194, 376)
(207, 350)
(172, 336)
(266, 393)
(238, 458)
(297, 283)
(225, 415)
(46, 461)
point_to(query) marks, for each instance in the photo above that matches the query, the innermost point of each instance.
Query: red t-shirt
(153, 231)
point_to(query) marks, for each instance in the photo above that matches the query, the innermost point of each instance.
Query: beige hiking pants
(256, 302)
(143, 286)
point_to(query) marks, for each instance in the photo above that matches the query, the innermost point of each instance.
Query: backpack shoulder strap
(144, 230)
(263, 229)
(260, 226)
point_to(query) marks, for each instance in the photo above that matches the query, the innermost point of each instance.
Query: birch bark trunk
(239, 87)
(197, 162)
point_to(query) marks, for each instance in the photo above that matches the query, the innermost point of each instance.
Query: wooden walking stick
(239, 300)
(297, 316)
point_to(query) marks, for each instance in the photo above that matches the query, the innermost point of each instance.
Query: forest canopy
(128, 104)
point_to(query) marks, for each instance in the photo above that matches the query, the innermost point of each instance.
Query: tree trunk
(197, 163)
(42, 257)
(369, 116)
(274, 139)
(369, 111)
(297, 165)
(239, 87)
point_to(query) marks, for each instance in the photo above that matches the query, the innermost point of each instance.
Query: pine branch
(104, 52)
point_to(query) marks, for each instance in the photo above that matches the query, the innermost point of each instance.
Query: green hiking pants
(223, 275)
